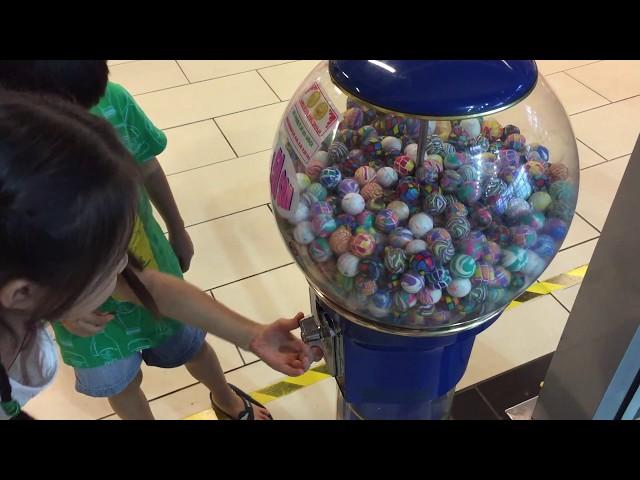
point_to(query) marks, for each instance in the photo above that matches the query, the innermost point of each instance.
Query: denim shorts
(111, 379)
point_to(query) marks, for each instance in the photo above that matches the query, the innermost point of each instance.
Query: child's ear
(18, 294)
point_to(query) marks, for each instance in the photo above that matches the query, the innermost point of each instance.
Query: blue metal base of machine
(386, 376)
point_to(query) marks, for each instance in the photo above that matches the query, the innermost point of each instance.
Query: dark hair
(80, 81)
(68, 198)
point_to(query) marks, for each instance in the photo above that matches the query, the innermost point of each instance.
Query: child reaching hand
(68, 199)
(106, 347)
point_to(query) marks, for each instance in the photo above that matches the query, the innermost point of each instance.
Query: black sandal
(246, 414)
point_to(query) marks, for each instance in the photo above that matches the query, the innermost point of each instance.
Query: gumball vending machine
(419, 198)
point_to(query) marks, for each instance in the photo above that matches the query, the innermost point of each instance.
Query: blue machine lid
(437, 88)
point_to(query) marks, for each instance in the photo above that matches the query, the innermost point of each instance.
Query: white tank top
(33, 370)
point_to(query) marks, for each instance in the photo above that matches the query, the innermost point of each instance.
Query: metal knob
(310, 331)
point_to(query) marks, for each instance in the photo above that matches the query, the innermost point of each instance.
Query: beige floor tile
(613, 79)
(194, 145)
(547, 67)
(598, 187)
(520, 335)
(265, 298)
(198, 70)
(253, 130)
(612, 130)
(147, 75)
(181, 404)
(569, 259)
(315, 402)
(574, 96)
(222, 188)
(235, 247)
(588, 157)
(285, 79)
(208, 99)
(568, 296)
(579, 232)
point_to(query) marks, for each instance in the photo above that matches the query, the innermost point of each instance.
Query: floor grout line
(594, 165)
(249, 109)
(585, 85)
(562, 304)
(268, 85)
(182, 70)
(220, 116)
(588, 147)
(186, 124)
(606, 161)
(580, 66)
(251, 276)
(604, 106)
(186, 84)
(225, 215)
(224, 135)
(584, 142)
(219, 161)
(588, 109)
(567, 69)
(589, 223)
(239, 73)
(578, 244)
(200, 166)
(621, 156)
(195, 82)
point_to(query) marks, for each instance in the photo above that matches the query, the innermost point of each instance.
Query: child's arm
(156, 184)
(274, 343)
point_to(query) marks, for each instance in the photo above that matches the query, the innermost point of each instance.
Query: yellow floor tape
(292, 384)
(272, 392)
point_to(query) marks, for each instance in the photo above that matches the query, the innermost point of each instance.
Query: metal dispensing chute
(419, 198)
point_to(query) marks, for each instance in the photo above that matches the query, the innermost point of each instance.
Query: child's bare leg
(131, 403)
(205, 367)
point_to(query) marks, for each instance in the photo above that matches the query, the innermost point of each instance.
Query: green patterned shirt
(133, 328)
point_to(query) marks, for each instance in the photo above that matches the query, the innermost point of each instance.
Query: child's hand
(283, 351)
(182, 246)
(89, 325)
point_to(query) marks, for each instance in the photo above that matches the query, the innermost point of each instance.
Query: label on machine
(309, 120)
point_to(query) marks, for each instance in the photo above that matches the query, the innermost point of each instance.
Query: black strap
(246, 414)
(5, 385)
(7, 403)
(246, 398)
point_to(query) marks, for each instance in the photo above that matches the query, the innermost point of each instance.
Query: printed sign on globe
(309, 120)
(283, 181)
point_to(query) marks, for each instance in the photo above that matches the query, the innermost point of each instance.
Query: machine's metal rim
(407, 332)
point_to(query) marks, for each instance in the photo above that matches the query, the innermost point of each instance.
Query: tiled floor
(220, 117)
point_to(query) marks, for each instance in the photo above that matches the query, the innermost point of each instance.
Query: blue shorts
(109, 380)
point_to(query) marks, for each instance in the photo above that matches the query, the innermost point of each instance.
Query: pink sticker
(284, 183)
